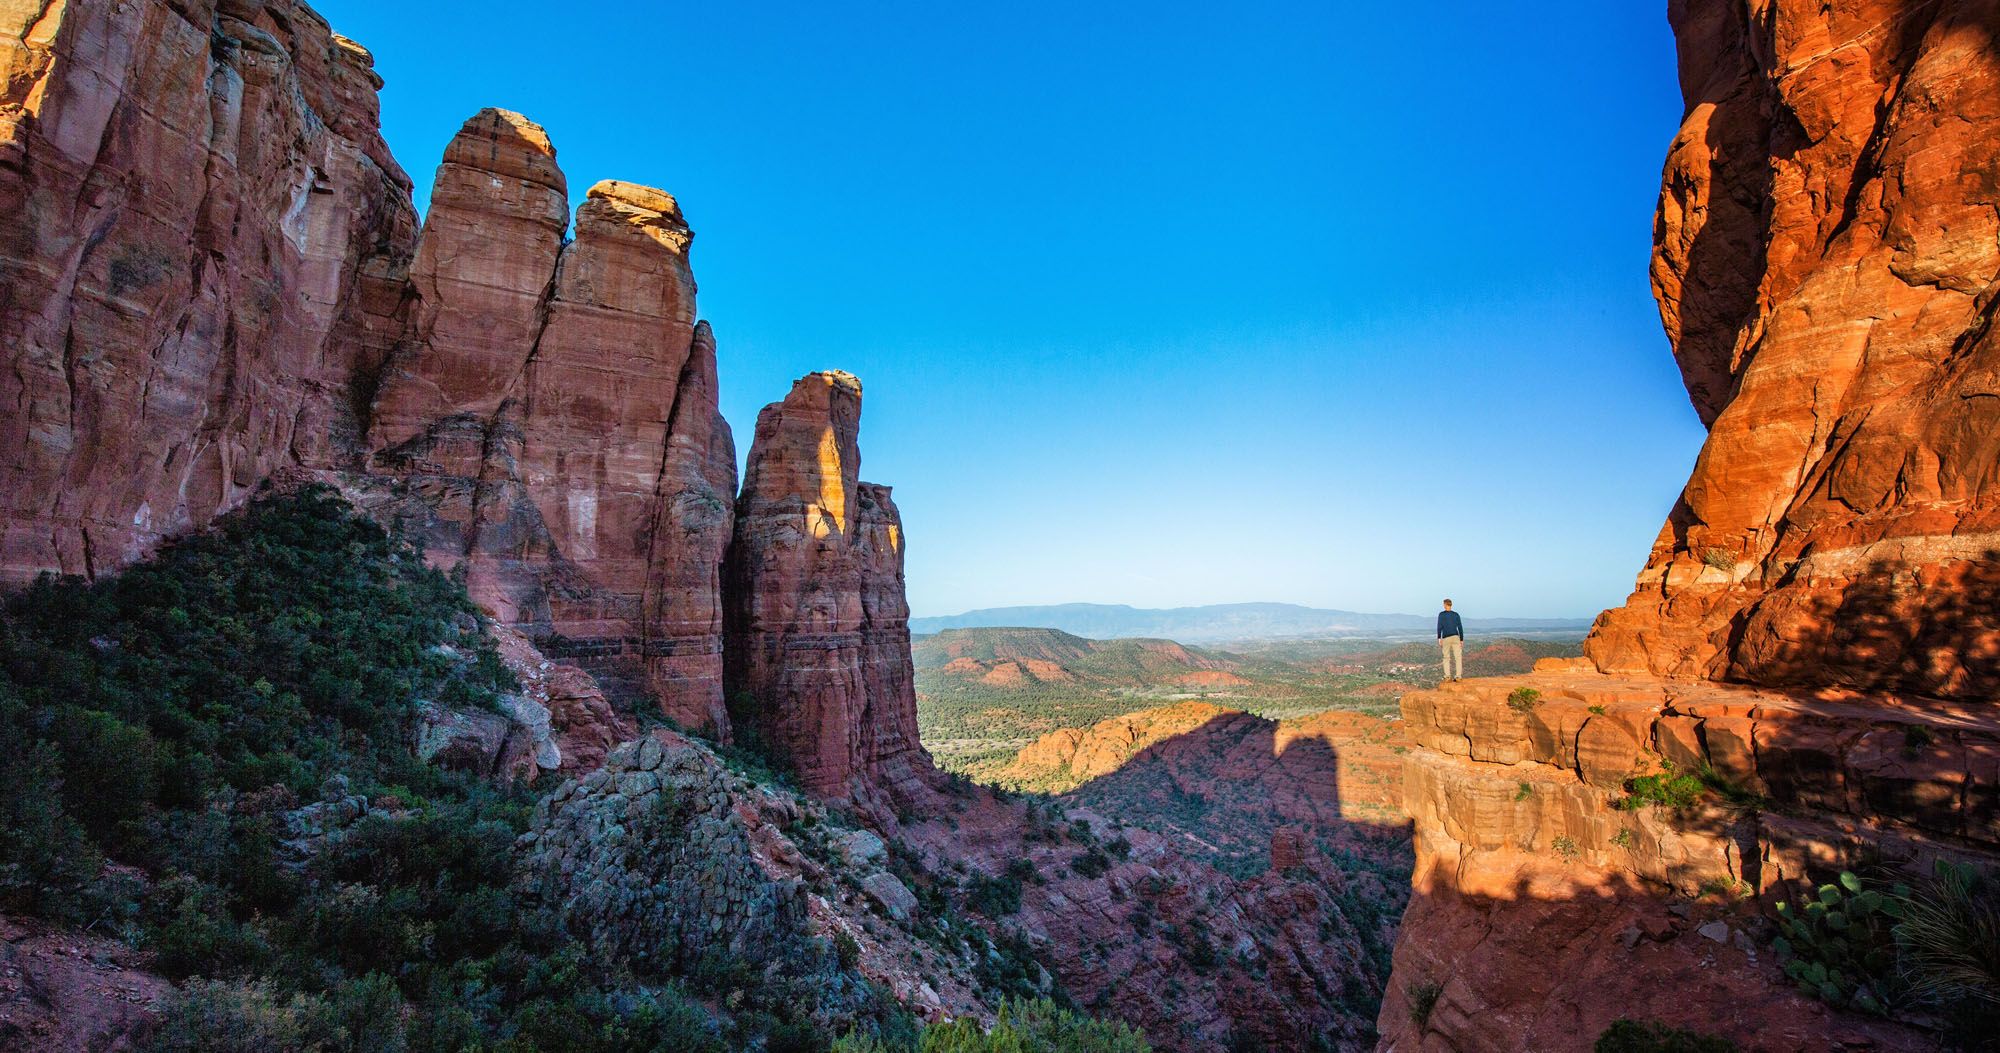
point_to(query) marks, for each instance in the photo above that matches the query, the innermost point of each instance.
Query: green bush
(1666, 788)
(1634, 1036)
(1523, 699)
(225, 1017)
(1038, 1026)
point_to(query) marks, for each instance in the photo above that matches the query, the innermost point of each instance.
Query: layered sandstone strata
(817, 628)
(202, 236)
(1543, 910)
(1827, 264)
(551, 414)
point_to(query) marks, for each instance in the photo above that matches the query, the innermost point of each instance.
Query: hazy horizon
(923, 615)
(1169, 310)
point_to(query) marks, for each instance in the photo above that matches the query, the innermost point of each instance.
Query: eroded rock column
(817, 629)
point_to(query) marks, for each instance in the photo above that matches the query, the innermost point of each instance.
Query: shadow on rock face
(1931, 629)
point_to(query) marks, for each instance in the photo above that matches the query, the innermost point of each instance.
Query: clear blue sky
(1328, 303)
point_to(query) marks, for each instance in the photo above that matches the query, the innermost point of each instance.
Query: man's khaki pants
(1454, 656)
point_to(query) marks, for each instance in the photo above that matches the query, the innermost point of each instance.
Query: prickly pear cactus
(1838, 944)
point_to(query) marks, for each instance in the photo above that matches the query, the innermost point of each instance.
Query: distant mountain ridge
(1223, 621)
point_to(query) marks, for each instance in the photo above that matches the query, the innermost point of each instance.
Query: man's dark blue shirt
(1449, 625)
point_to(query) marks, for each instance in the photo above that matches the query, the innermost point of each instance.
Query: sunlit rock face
(1826, 255)
(213, 279)
(817, 624)
(551, 412)
(202, 238)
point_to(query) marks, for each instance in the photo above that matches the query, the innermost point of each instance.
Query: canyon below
(397, 653)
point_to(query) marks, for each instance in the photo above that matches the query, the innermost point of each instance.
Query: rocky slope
(1810, 651)
(1827, 250)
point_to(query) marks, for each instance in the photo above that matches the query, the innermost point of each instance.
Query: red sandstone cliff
(551, 414)
(1827, 252)
(201, 243)
(817, 628)
(210, 276)
(1827, 260)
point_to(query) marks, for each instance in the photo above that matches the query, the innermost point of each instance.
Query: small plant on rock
(1720, 559)
(1666, 788)
(1526, 791)
(1565, 846)
(1599, 710)
(1523, 699)
(1423, 998)
(1624, 839)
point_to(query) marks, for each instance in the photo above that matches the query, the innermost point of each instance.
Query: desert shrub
(995, 897)
(1524, 791)
(1523, 699)
(1624, 839)
(1649, 1036)
(226, 1017)
(1022, 1026)
(1666, 788)
(1719, 558)
(1565, 846)
(1091, 864)
(1423, 997)
(1948, 940)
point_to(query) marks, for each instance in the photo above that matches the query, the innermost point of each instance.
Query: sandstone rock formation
(1148, 926)
(212, 278)
(201, 243)
(1544, 910)
(551, 414)
(817, 629)
(1827, 263)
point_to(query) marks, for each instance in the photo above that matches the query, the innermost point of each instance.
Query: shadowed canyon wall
(1826, 255)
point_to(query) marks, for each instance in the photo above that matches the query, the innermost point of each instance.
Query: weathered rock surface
(69, 992)
(1330, 766)
(1528, 871)
(201, 243)
(551, 413)
(817, 627)
(578, 725)
(1176, 930)
(663, 855)
(1827, 261)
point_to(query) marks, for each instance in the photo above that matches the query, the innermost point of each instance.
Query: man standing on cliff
(1451, 639)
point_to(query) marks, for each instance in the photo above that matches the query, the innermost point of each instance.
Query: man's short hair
(1447, 603)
